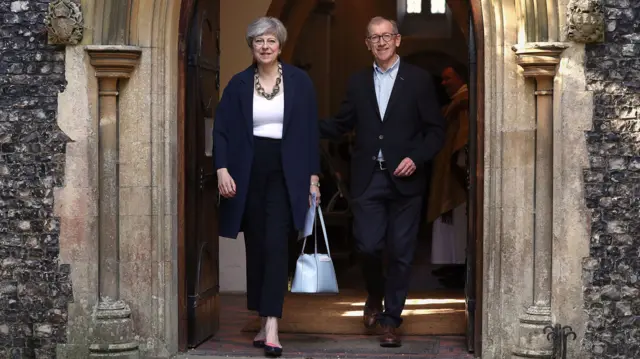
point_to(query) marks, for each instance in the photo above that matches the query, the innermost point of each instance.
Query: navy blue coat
(233, 143)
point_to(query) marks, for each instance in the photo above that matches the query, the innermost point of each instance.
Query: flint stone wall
(611, 285)
(34, 288)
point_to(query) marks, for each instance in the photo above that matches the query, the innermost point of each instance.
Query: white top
(268, 115)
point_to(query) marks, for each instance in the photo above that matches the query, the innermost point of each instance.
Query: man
(398, 127)
(448, 195)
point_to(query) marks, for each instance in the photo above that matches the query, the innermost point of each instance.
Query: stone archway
(502, 25)
(151, 209)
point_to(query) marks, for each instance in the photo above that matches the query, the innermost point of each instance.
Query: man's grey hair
(266, 25)
(378, 19)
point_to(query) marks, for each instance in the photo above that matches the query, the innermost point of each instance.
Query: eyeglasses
(386, 37)
(260, 42)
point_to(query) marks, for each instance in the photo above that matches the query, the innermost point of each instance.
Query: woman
(266, 145)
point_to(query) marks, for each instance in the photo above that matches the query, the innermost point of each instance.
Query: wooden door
(472, 187)
(201, 200)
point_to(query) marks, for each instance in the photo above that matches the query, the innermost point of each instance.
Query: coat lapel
(246, 99)
(289, 91)
(372, 92)
(396, 91)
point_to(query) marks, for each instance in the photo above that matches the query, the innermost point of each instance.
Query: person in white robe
(448, 194)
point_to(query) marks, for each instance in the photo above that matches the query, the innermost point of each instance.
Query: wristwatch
(317, 184)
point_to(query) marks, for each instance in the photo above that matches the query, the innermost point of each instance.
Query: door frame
(478, 232)
(292, 12)
(186, 15)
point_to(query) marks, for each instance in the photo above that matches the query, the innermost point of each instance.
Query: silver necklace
(276, 88)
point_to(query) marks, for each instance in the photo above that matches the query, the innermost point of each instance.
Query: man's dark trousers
(385, 222)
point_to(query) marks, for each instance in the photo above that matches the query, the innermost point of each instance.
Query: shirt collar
(390, 70)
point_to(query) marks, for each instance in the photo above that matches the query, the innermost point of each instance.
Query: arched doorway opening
(198, 293)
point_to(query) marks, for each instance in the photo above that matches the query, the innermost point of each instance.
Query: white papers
(309, 220)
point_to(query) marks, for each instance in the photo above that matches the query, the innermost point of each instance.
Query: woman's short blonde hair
(266, 25)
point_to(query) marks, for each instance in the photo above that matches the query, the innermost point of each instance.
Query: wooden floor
(232, 341)
(427, 313)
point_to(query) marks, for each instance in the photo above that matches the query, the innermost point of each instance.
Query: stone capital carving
(114, 61)
(539, 58)
(64, 22)
(585, 21)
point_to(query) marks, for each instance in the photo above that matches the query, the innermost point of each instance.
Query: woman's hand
(314, 189)
(226, 184)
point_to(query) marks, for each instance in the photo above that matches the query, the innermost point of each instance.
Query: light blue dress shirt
(383, 82)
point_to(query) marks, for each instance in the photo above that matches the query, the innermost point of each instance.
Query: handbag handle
(315, 234)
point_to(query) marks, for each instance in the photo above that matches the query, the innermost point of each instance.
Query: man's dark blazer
(413, 127)
(233, 143)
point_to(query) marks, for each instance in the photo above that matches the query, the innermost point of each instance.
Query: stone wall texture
(611, 273)
(34, 288)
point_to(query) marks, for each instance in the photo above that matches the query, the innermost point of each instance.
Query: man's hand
(405, 168)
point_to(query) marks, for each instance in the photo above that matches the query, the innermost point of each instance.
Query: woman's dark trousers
(267, 225)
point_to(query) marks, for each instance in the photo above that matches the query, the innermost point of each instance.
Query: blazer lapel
(289, 91)
(371, 86)
(246, 100)
(396, 91)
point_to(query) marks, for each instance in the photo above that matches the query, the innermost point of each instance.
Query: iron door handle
(206, 178)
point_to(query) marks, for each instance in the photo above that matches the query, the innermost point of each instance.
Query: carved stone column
(113, 336)
(539, 62)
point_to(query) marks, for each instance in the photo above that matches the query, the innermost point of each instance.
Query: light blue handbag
(314, 272)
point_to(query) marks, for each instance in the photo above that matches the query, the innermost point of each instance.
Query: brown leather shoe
(390, 338)
(370, 316)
